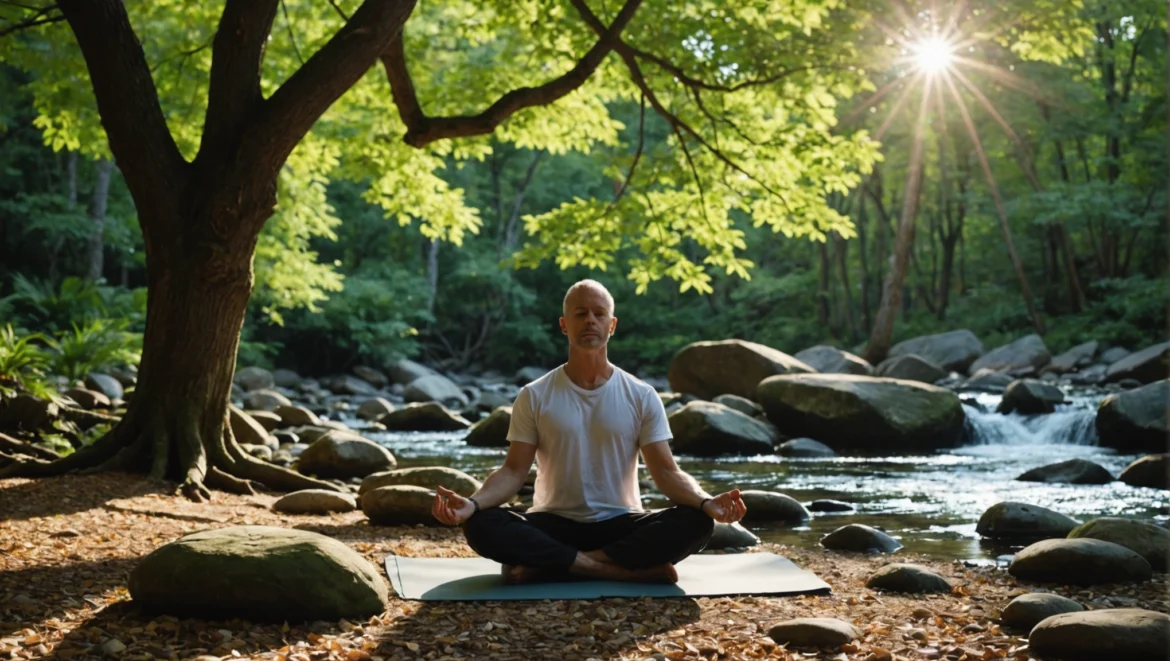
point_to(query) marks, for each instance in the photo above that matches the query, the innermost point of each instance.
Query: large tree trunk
(97, 213)
(883, 325)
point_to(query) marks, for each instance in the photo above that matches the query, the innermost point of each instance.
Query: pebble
(113, 646)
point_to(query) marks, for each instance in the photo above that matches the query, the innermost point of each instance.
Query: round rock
(344, 455)
(772, 506)
(1027, 610)
(814, 632)
(707, 429)
(315, 501)
(731, 536)
(1122, 633)
(860, 538)
(741, 404)
(373, 409)
(431, 416)
(827, 505)
(492, 431)
(1011, 520)
(258, 573)
(804, 447)
(398, 505)
(903, 577)
(1079, 562)
(1150, 541)
(1150, 471)
(1030, 396)
(423, 476)
(1073, 471)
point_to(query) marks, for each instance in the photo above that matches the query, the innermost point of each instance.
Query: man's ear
(612, 325)
(561, 323)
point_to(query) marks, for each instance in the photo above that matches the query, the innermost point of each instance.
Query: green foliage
(94, 346)
(37, 304)
(22, 363)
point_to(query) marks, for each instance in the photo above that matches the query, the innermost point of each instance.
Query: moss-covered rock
(423, 476)
(709, 369)
(492, 431)
(1150, 541)
(344, 455)
(1136, 420)
(707, 429)
(258, 573)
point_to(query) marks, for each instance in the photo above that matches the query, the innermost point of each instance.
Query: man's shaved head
(586, 284)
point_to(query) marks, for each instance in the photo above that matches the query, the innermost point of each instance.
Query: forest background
(465, 266)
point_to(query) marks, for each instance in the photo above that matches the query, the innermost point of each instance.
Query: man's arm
(672, 481)
(505, 481)
(680, 487)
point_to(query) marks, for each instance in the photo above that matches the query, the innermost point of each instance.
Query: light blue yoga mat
(714, 575)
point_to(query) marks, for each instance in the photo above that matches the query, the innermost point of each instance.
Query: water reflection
(930, 502)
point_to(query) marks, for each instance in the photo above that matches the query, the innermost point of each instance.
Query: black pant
(634, 541)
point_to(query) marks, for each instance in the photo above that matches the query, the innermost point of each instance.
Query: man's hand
(451, 508)
(727, 507)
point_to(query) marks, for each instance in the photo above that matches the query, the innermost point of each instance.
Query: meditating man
(584, 423)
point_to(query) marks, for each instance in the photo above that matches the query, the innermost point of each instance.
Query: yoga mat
(714, 575)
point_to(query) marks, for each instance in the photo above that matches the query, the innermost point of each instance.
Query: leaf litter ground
(68, 544)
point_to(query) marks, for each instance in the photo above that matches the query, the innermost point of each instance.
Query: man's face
(588, 320)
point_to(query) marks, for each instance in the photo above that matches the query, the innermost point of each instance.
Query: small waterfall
(1070, 426)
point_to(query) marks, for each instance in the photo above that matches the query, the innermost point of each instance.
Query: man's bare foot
(589, 567)
(660, 574)
(519, 575)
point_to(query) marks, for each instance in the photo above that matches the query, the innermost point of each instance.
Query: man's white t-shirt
(587, 442)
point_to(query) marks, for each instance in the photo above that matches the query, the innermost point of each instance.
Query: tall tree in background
(749, 96)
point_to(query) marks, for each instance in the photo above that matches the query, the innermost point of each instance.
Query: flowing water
(929, 502)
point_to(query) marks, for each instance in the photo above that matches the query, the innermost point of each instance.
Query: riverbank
(69, 543)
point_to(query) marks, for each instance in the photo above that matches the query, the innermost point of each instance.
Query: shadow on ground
(28, 499)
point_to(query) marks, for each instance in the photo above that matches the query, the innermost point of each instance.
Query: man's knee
(694, 520)
(483, 526)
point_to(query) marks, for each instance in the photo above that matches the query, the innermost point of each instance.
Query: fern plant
(96, 345)
(22, 363)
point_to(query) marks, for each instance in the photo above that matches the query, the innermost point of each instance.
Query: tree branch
(39, 18)
(127, 101)
(691, 81)
(233, 93)
(290, 112)
(422, 130)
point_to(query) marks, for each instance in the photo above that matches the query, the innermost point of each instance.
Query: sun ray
(951, 27)
(897, 107)
(995, 196)
(1007, 78)
(873, 98)
(1025, 153)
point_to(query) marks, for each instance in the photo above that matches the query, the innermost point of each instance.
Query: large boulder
(254, 378)
(905, 577)
(848, 411)
(528, 374)
(1080, 355)
(1079, 562)
(1073, 471)
(1029, 397)
(423, 476)
(258, 573)
(953, 351)
(1133, 634)
(492, 431)
(431, 416)
(348, 384)
(404, 371)
(1150, 541)
(860, 538)
(435, 388)
(772, 506)
(1135, 420)
(399, 505)
(285, 378)
(1025, 355)
(371, 376)
(314, 501)
(88, 399)
(1011, 520)
(1028, 610)
(986, 380)
(709, 369)
(831, 360)
(296, 416)
(1150, 471)
(27, 412)
(344, 455)
(1148, 365)
(910, 367)
(707, 429)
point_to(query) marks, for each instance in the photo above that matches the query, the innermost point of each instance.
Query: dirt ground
(68, 544)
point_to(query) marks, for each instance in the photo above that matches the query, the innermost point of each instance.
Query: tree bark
(97, 213)
(883, 326)
(432, 250)
(823, 284)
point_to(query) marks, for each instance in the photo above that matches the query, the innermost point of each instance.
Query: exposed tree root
(86, 419)
(15, 446)
(168, 449)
